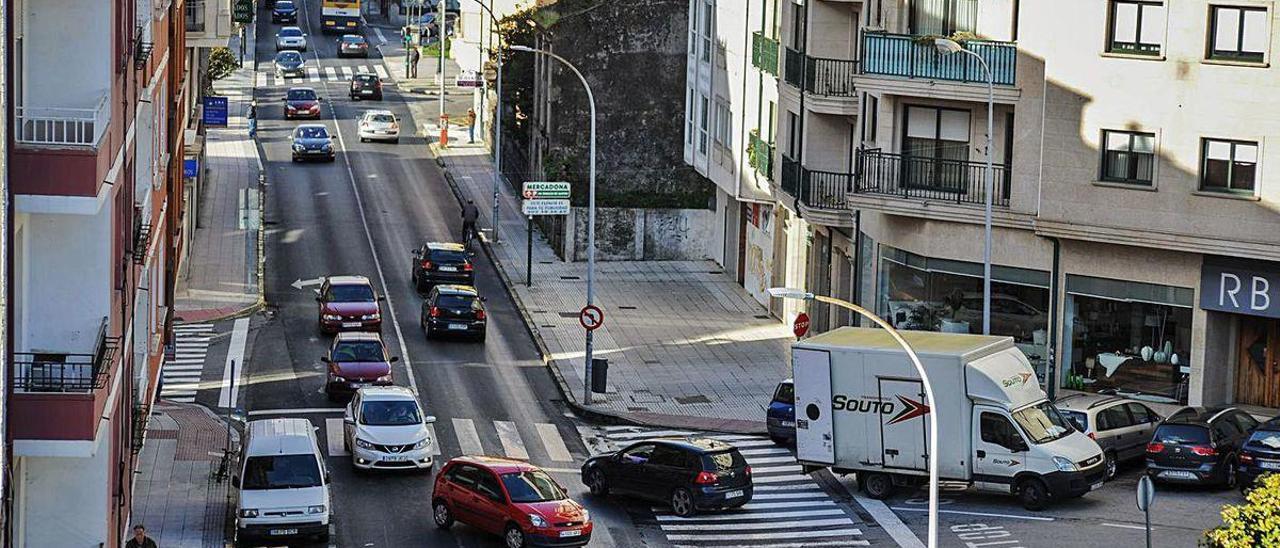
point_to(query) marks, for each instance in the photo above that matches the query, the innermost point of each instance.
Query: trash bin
(599, 374)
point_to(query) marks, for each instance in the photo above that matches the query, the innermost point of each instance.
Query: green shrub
(222, 62)
(1255, 524)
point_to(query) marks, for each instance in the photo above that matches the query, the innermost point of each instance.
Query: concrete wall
(630, 234)
(63, 501)
(66, 278)
(85, 53)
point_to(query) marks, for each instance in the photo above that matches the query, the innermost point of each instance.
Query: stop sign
(801, 326)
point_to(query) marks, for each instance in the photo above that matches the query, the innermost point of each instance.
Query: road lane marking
(346, 72)
(331, 73)
(775, 479)
(193, 327)
(762, 515)
(377, 31)
(468, 439)
(435, 440)
(1125, 526)
(298, 411)
(512, 445)
(983, 514)
(790, 496)
(780, 535)
(750, 526)
(172, 366)
(333, 433)
(890, 522)
(313, 74)
(382, 72)
(235, 355)
(810, 544)
(553, 443)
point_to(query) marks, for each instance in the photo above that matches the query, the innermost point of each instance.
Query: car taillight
(1246, 458)
(426, 265)
(395, 126)
(1155, 447)
(705, 477)
(466, 267)
(1093, 436)
(1204, 450)
(435, 312)
(748, 470)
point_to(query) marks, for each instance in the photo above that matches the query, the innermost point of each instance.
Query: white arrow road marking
(235, 355)
(300, 283)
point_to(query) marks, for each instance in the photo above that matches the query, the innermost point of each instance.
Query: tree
(1254, 524)
(222, 62)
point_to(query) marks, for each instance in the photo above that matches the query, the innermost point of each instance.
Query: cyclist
(469, 215)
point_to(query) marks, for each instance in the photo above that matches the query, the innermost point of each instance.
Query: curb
(566, 392)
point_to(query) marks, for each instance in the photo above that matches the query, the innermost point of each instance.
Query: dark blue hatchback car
(284, 11)
(780, 418)
(1260, 454)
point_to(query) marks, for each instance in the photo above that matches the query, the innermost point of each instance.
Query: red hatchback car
(349, 303)
(511, 498)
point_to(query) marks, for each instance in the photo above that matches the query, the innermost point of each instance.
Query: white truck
(860, 407)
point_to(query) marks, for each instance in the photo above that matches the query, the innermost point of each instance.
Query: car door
(490, 502)
(629, 468)
(1115, 424)
(1144, 422)
(664, 472)
(462, 492)
(1000, 451)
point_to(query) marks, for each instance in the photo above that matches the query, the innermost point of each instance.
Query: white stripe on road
(313, 74)
(1125, 526)
(983, 514)
(271, 80)
(182, 386)
(260, 79)
(193, 327)
(468, 439)
(766, 451)
(626, 436)
(179, 376)
(776, 469)
(183, 367)
(331, 73)
(890, 522)
(777, 479)
(553, 443)
(377, 31)
(333, 433)
(771, 460)
(512, 445)
(298, 411)
(769, 505)
(179, 399)
(227, 396)
(382, 72)
(790, 495)
(762, 515)
(346, 73)
(756, 526)
(810, 544)
(780, 535)
(787, 487)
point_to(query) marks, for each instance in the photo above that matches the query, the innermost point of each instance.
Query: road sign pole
(528, 256)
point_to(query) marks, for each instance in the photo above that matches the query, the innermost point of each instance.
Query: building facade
(95, 178)
(1129, 189)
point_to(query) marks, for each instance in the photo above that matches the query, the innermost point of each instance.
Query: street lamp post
(497, 132)
(800, 294)
(946, 47)
(591, 213)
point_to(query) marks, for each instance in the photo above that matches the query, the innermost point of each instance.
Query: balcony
(65, 371)
(790, 176)
(910, 65)
(764, 53)
(928, 178)
(760, 154)
(820, 196)
(828, 83)
(57, 126)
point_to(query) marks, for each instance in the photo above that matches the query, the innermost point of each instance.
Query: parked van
(281, 484)
(861, 407)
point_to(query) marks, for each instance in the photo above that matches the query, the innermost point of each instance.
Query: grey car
(1121, 426)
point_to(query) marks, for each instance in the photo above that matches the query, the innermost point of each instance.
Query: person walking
(469, 215)
(140, 538)
(414, 57)
(253, 119)
(471, 125)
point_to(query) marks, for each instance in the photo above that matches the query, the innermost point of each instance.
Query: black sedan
(366, 86)
(441, 263)
(353, 45)
(301, 103)
(312, 141)
(284, 12)
(454, 310)
(290, 63)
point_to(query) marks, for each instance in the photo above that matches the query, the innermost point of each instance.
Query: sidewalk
(221, 274)
(175, 495)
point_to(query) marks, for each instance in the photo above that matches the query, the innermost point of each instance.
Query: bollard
(444, 131)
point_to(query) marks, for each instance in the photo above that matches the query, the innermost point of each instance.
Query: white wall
(63, 501)
(67, 277)
(65, 41)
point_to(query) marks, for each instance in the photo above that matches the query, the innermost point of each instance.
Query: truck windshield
(1043, 423)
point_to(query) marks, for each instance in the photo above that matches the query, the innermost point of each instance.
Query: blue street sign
(215, 111)
(190, 167)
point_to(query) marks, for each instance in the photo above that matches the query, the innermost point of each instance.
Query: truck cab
(1033, 453)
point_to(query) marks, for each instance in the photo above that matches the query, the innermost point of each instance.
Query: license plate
(1095, 486)
(283, 532)
(350, 324)
(366, 92)
(457, 326)
(789, 424)
(1177, 474)
(1269, 465)
(570, 533)
(395, 458)
(448, 269)
(734, 494)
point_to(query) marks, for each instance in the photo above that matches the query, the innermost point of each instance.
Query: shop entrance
(1257, 373)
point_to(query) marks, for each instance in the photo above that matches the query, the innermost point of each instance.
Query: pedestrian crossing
(465, 435)
(344, 73)
(789, 509)
(180, 376)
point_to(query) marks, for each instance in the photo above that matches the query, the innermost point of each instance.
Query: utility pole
(442, 28)
(4, 283)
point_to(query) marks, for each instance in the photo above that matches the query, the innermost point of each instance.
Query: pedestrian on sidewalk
(414, 57)
(471, 125)
(140, 538)
(253, 119)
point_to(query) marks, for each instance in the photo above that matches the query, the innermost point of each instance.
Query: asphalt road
(362, 214)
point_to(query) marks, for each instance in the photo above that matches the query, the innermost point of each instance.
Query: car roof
(281, 436)
(291, 27)
(345, 336)
(305, 126)
(500, 465)
(1197, 415)
(345, 36)
(301, 88)
(458, 289)
(381, 393)
(378, 111)
(695, 443)
(1081, 401)
(445, 246)
(349, 280)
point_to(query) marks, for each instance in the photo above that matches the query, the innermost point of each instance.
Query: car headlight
(537, 520)
(1064, 464)
(363, 444)
(586, 515)
(331, 317)
(317, 509)
(375, 315)
(424, 443)
(299, 148)
(385, 378)
(338, 378)
(249, 512)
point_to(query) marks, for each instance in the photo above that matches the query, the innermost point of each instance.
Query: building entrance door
(1257, 370)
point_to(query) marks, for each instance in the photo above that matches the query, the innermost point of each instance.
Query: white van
(282, 485)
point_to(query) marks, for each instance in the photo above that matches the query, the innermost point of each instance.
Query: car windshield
(352, 39)
(302, 95)
(1078, 419)
(312, 133)
(365, 78)
(1181, 434)
(289, 57)
(724, 460)
(448, 256)
(455, 301)
(281, 472)
(290, 32)
(358, 351)
(390, 413)
(1043, 423)
(786, 393)
(1265, 439)
(351, 293)
(382, 118)
(532, 486)
(284, 5)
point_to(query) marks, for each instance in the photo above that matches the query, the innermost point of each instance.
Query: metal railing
(959, 181)
(793, 68)
(65, 372)
(791, 176)
(760, 154)
(826, 189)
(764, 53)
(62, 126)
(820, 75)
(916, 57)
(141, 417)
(195, 15)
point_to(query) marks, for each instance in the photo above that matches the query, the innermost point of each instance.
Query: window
(793, 135)
(693, 30)
(936, 149)
(708, 18)
(1228, 166)
(1043, 423)
(870, 118)
(1114, 417)
(638, 454)
(532, 486)
(1237, 33)
(487, 485)
(703, 116)
(1142, 414)
(664, 455)
(689, 110)
(998, 430)
(785, 393)
(1128, 157)
(1244, 421)
(724, 123)
(1136, 27)
(1225, 429)
(943, 17)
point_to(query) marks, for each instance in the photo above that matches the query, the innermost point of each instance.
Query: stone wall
(635, 234)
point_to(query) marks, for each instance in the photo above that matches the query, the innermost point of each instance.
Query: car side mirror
(484, 299)
(318, 299)
(430, 419)
(324, 359)
(349, 419)
(394, 359)
(382, 297)
(235, 481)
(327, 478)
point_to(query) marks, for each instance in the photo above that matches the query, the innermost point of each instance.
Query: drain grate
(570, 278)
(568, 314)
(626, 308)
(761, 316)
(547, 325)
(713, 272)
(697, 398)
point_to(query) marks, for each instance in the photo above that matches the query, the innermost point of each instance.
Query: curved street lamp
(800, 294)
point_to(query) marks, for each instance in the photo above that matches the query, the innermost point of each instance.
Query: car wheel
(1111, 465)
(363, 140)
(323, 538)
(1033, 494)
(1230, 480)
(596, 482)
(441, 514)
(331, 395)
(430, 334)
(682, 502)
(514, 537)
(878, 486)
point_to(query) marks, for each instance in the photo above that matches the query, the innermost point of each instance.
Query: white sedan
(291, 38)
(379, 125)
(384, 428)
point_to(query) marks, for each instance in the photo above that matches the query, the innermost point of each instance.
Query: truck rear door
(904, 441)
(811, 370)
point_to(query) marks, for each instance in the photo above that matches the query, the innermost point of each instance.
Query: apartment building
(208, 25)
(1129, 188)
(95, 178)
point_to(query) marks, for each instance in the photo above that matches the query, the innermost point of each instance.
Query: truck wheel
(878, 486)
(1033, 494)
(1111, 465)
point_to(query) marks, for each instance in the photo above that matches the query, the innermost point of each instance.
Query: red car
(511, 498)
(349, 303)
(356, 360)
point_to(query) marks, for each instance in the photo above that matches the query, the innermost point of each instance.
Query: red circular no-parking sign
(591, 317)
(801, 326)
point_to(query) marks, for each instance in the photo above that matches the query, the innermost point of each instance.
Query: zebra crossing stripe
(313, 74)
(753, 526)
(780, 535)
(333, 435)
(382, 72)
(512, 445)
(810, 544)
(468, 439)
(183, 367)
(346, 73)
(552, 442)
(732, 516)
(193, 326)
(330, 73)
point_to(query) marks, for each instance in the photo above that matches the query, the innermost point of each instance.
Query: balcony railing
(760, 154)
(195, 15)
(820, 75)
(141, 417)
(825, 189)
(764, 53)
(793, 68)
(791, 175)
(931, 178)
(916, 57)
(65, 372)
(62, 126)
